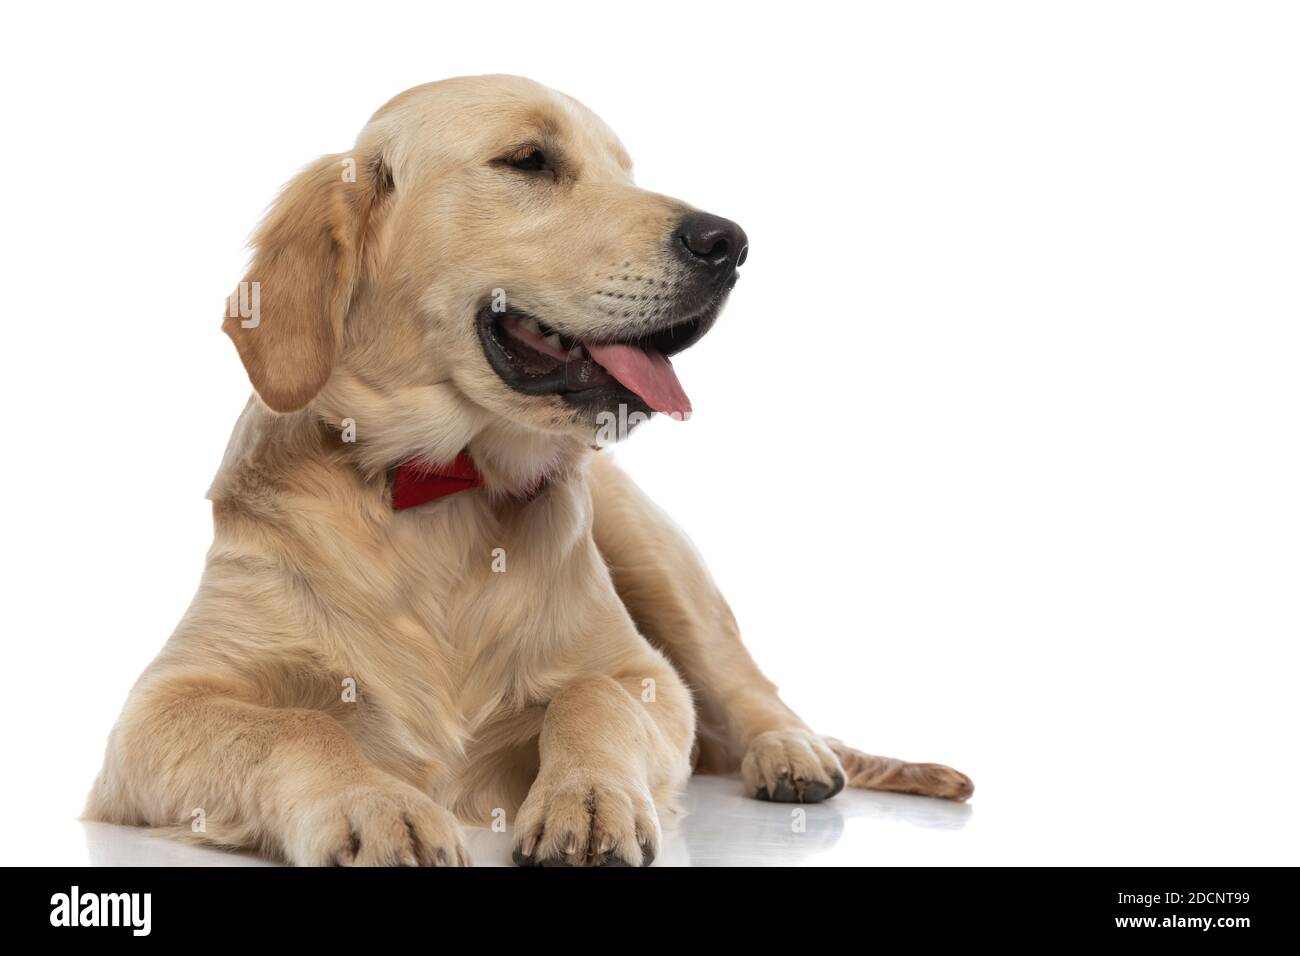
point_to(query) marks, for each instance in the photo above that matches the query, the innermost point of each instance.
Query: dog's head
(481, 256)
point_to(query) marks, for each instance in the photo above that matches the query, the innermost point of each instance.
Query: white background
(995, 451)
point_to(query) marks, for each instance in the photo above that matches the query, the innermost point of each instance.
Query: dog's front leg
(286, 780)
(614, 754)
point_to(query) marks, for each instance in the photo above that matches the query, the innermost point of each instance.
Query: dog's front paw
(586, 821)
(379, 823)
(791, 766)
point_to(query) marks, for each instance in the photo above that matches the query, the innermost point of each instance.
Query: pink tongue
(649, 374)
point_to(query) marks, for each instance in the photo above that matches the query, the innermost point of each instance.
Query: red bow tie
(416, 481)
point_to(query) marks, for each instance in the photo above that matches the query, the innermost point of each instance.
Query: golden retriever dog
(431, 600)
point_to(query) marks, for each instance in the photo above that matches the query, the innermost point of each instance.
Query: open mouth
(536, 359)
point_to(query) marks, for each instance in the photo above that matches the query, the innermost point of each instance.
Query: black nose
(711, 241)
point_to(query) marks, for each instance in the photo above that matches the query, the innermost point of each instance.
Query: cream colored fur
(570, 691)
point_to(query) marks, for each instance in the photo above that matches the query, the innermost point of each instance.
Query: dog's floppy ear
(286, 317)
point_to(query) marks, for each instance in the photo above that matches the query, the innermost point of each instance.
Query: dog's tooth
(553, 339)
(530, 325)
(576, 353)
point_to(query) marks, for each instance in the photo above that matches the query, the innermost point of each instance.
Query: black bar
(856, 906)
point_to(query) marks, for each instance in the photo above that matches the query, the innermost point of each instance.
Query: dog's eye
(530, 159)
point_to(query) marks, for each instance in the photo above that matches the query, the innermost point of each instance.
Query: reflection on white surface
(725, 828)
(722, 827)
(111, 845)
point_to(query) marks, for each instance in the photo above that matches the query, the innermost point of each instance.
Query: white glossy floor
(722, 828)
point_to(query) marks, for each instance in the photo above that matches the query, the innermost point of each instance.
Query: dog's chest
(481, 573)
(490, 609)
